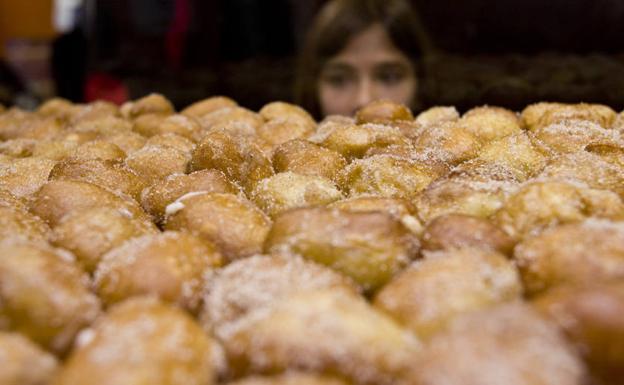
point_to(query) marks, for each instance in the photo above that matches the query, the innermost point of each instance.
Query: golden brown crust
(141, 341)
(433, 291)
(383, 111)
(455, 231)
(206, 106)
(232, 223)
(44, 295)
(23, 362)
(307, 158)
(169, 265)
(370, 247)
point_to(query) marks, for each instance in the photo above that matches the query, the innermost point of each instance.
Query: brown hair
(337, 22)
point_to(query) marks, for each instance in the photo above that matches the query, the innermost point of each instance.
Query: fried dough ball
(92, 232)
(307, 158)
(551, 113)
(475, 195)
(433, 291)
(172, 140)
(16, 222)
(249, 284)
(158, 196)
(447, 142)
(370, 247)
(231, 222)
(54, 149)
(577, 253)
(181, 125)
(287, 190)
(436, 115)
(572, 136)
(103, 126)
(43, 294)
(141, 341)
(612, 153)
(532, 114)
(168, 265)
(490, 123)
(208, 105)
(155, 162)
(587, 168)
(9, 200)
(24, 363)
(508, 344)
(540, 205)
(98, 149)
(150, 104)
(323, 331)
(148, 124)
(457, 231)
(593, 319)
(383, 111)
(238, 157)
(18, 148)
(290, 378)
(387, 176)
(353, 141)
(111, 175)
(95, 110)
(58, 198)
(287, 111)
(400, 209)
(516, 153)
(129, 142)
(238, 118)
(38, 128)
(281, 130)
(24, 176)
(58, 108)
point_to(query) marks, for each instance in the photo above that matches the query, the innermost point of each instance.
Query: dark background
(502, 52)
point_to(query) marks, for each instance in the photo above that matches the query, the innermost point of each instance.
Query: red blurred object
(101, 86)
(176, 35)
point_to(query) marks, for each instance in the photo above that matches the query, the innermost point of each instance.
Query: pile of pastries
(219, 245)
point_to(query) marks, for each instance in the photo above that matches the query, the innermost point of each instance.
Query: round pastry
(98, 150)
(182, 125)
(94, 110)
(92, 232)
(540, 205)
(249, 284)
(150, 104)
(593, 319)
(54, 149)
(557, 113)
(281, 130)
(148, 124)
(103, 126)
(58, 198)
(172, 140)
(232, 223)
(24, 363)
(323, 331)
(457, 231)
(572, 136)
(515, 153)
(238, 157)
(206, 106)
(532, 114)
(58, 108)
(169, 265)
(436, 115)
(158, 196)
(238, 118)
(111, 175)
(17, 148)
(43, 294)
(141, 341)
(386, 176)
(490, 123)
(307, 158)
(24, 176)
(155, 162)
(433, 291)
(383, 111)
(400, 209)
(370, 247)
(577, 253)
(612, 153)
(16, 222)
(287, 190)
(446, 141)
(508, 344)
(281, 110)
(353, 141)
(129, 142)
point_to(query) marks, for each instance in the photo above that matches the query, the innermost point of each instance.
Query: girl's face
(370, 67)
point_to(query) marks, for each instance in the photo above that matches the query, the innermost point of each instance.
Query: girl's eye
(390, 76)
(337, 79)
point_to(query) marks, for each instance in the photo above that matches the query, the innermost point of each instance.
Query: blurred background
(502, 52)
